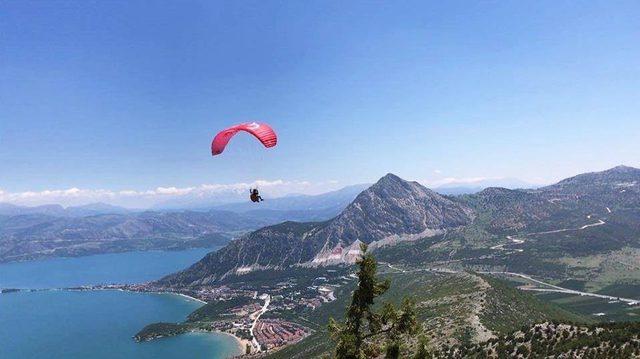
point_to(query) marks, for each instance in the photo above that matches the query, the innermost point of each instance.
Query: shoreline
(185, 296)
(188, 297)
(242, 343)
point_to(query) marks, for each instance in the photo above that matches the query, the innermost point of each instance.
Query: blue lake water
(130, 267)
(98, 324)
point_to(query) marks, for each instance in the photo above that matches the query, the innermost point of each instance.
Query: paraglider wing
(263, 132)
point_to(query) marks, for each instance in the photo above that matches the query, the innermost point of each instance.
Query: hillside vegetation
(453, 309)
(554, 340)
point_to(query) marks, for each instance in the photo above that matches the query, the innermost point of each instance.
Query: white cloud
(146, 198)
(173, 191)
(128, 193)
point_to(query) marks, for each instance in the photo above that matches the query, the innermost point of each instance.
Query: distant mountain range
(334, 202)
(323, 229)
(32, 236)
(236, 200)
(52, 230)
(404, 220)
(325, 205)
(7, 209)
(477, 186)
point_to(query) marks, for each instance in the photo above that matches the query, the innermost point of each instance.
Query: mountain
(564, 204)
(390, 211)
(568, 253)
(292, 207)
(536, 230)
(236, 200)
(334, 201)
(57, 210)
(507, 209)
(300, 208)
(30, 236)
(7, 209)
(52, 230)
(477, 186)
(620, 178)
(93, 209)
(616, 187)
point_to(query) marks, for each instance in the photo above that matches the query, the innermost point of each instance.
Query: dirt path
(482, 333)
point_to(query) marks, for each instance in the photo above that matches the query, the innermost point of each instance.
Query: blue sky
(126, 96)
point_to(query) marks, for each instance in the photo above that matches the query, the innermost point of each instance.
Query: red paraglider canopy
(263, 132)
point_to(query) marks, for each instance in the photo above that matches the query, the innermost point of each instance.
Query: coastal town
(259, 318)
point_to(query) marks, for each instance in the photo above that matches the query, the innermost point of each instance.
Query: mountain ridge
(416, 212)
(394, 211)
(8, 209)
(52, 230)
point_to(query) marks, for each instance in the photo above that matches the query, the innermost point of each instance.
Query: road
(600, 222)
(551, 287)
(256, 316)
(520, 241)
(557, 289)
(394, 268)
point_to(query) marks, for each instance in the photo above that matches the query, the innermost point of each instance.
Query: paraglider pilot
(255, 196)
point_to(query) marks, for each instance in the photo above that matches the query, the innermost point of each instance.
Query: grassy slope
(508, 308)
(443, 302)
(218, 310)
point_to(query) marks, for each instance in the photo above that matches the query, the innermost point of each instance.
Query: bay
(122, 268)
(98, 324)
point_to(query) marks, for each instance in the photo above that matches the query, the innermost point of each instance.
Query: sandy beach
(186, 296)
(242, 343)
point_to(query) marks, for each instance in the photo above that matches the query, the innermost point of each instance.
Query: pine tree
(363, 322)
(423, 349)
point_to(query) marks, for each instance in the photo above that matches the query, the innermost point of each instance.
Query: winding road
(520, 241)
(256, 316)
(549, 287)
(557, 289)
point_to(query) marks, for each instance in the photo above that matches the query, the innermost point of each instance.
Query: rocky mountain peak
(390, 211)
(390, 178)
(391, 187)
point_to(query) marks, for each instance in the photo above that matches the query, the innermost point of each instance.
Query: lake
(98, 324)
(129, 267)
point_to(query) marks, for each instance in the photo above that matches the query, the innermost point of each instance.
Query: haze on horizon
(123, 98)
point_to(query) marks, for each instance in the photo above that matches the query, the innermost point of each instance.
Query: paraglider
(255, 195)
(263, 132)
